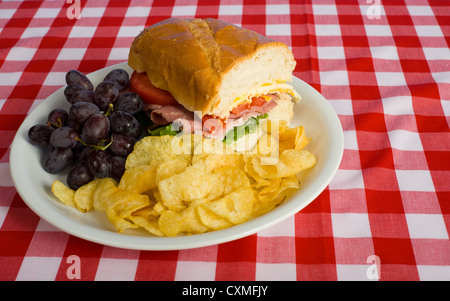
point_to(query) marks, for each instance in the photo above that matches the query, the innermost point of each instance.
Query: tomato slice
(141, 85)
(256, 102)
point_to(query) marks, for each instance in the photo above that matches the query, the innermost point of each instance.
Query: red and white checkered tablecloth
(383, 65)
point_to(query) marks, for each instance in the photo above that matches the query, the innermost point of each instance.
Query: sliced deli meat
(167, 114)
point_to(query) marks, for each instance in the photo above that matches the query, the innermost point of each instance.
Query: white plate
(33, 183)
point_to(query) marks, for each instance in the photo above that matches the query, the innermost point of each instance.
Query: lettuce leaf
(164, 130)
(249, 127)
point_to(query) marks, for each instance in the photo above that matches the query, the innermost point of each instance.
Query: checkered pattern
(383, 65)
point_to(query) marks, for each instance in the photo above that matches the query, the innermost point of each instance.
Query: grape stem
(57, 124)
(97, 146)
(110, 110)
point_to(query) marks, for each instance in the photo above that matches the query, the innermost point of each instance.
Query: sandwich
(212, 76)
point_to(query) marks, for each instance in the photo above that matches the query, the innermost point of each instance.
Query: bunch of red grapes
(96, 134)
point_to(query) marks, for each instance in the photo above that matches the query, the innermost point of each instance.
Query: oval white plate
(33, 183)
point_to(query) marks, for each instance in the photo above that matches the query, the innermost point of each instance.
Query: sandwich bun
(210, 66)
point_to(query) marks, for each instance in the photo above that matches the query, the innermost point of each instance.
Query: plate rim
(65, 223)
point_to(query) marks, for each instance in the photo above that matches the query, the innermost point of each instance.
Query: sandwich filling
(242, 119)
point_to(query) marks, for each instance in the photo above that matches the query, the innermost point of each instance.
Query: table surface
(384, 67)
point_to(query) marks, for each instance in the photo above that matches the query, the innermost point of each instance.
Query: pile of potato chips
(188, 184)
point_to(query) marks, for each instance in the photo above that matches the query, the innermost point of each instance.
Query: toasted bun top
(209, 65)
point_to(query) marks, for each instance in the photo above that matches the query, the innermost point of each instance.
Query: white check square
(405, 140)
(92, 12)
(432, 53)
(420, 10)
(334, 78)
(331, 52)
(384, 52)
(38, 268)
(5, 175)
(114, 269)
(186, 10)
(195, 271)
(353, 272)
(328, 30)
(21, 54)
(71, 54)
(55, 79)
(277, 9)
(284, 228)
(347, 179)
(428, 226)
(34, 32)
(10, 79)
(391, 79)
(129, 31)
(428, 31)
(138, 11)
(7, 13)
(350, 140)
(433, 272)
(414, 180)
(446, 106)
(398, 105)
(50, 13)
(3, 212)
(441, 77)
(119, 54)
(342, 106)
(278, 29)
(378, 30)
(275, 272)
(344, 225)
(82, 32)
(227, 10)
(324, 9)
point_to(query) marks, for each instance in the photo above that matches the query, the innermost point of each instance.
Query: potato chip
(122, 207)
(273, 126)
(217, 161)
(173, 223)
(235, 207)
(290, 163)
(159, 206)
(105, 189)
(148, 213)
(268, 193)
(293, 138)
(268, 146)
(63, 193)
(169, 168)
(271, 196)
(139, 178)
(289, 138)
(84, 196)
(297, 160)
(200, 181)
(160, 149)
(212, 220)
(151, 226)
(118, 204)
